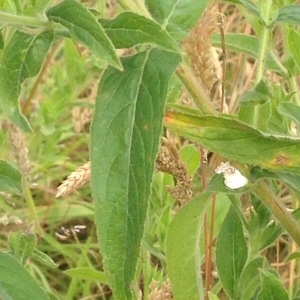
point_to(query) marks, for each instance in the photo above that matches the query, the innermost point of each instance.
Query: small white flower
(233, 178)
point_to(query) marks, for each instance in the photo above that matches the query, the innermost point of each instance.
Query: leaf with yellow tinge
(238, 141)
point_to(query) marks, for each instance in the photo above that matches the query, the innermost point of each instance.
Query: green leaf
(290, 110)
(87, 274)
(125, 134)
(289, 14)
(294, 42)
(250, 279)
(238, 141)
(212, 296)
(44, 259)
(291, 180)
(260, 93)
(10, 178)
(1, 41)
(84, 28)
(22, 245)
(183, 249)
(129, 29)
(16, 283)
(190, 156)
(231, 252)
(22, 58)
(262, 111)
(247, 44)
(177, 16)
(293, 255)
(250, 6)
(272, 288)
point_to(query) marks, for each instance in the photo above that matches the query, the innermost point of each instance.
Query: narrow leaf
(183, 249)
(129, 29)
(238, 141)
(245, 44)
(88, 274)
(10, 178)
(177, 16)
(272, 288)
(124, 142)
(22, 58)
(84, 28)
(289, 14)
(231, 252)
(44, 259)
(15, 281)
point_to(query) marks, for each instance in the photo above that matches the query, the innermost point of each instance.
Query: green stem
(21, 20)
(31, 206)
(264, 41)
(294, 89)
(276, 207)
(196, 90)
(284, 72)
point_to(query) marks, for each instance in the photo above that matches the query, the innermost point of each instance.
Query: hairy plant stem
(11, 19)
(274, 204)
(264, 40)
(195, 89)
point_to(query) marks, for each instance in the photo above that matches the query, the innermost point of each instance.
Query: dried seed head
(75, 180)
(19, 147)
(168, 161)
(203, 58)
(161, 293)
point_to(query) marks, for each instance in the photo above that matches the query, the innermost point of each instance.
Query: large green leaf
(238, 141)
(22, 58)
(231, 253)
(15, 281)
(10, 178)
(183, 249)
(84, 28)
(177, 16)
(129, 29)
(124, 142)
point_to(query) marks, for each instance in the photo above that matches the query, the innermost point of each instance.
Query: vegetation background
(95, 80)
